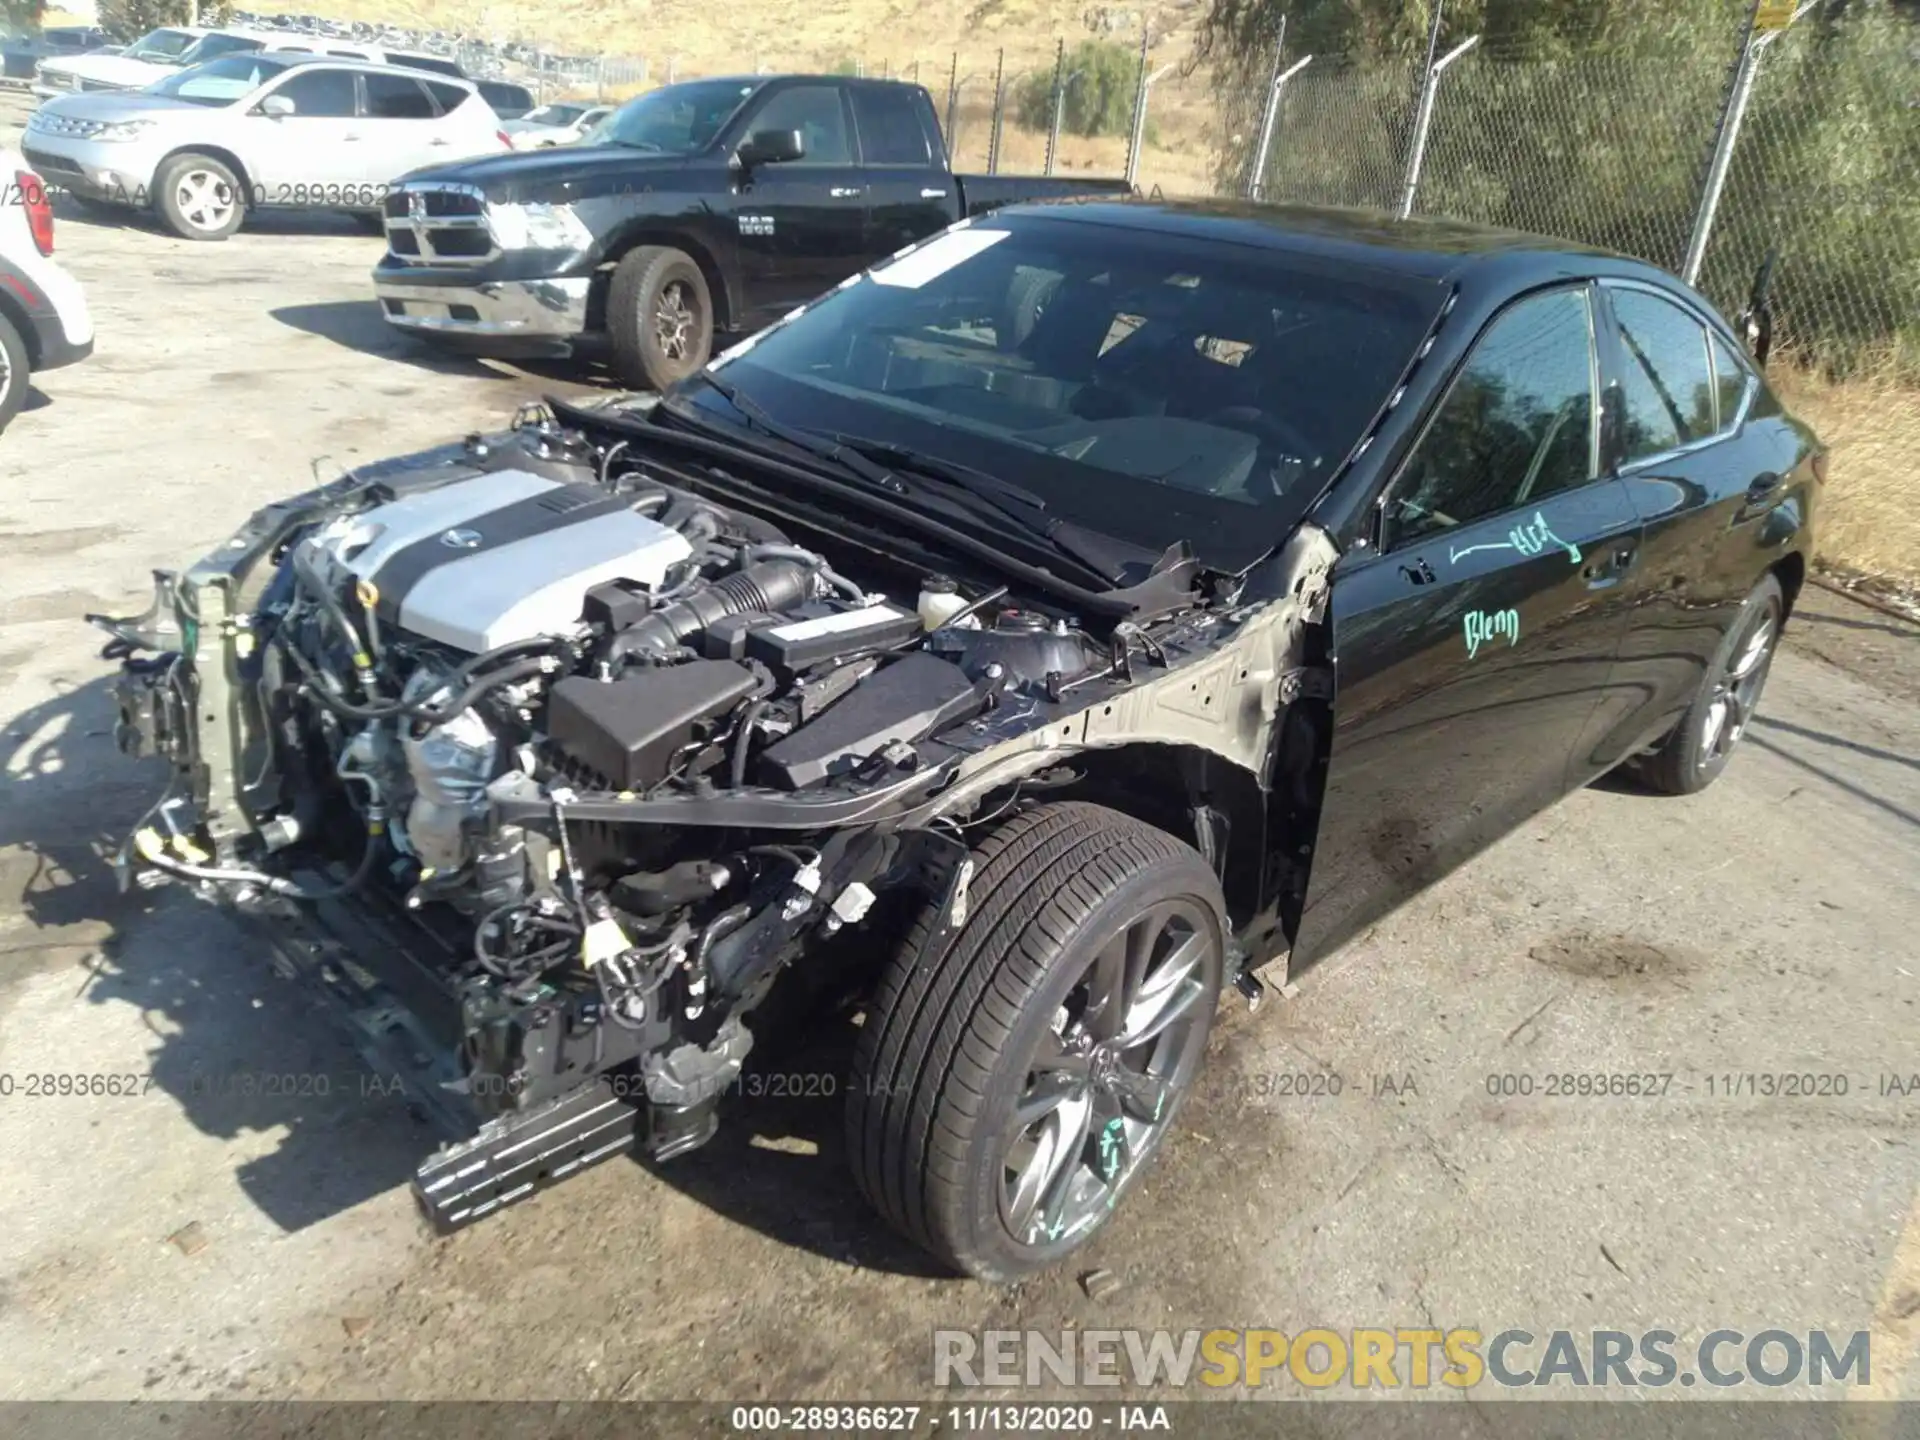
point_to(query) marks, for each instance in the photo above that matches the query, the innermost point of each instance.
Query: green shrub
(1101, 79)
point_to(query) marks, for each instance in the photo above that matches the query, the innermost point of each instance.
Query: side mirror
(771, 147)
(276, 107)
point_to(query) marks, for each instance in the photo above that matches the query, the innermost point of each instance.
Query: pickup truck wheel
(1008, 1089)
(660, 316)
(15, 372)
(1692, 757)
(199, 198)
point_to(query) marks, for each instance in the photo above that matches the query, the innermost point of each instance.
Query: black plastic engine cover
(906, 700)
(628, 729)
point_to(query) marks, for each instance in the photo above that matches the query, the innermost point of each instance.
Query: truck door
(1472, 644)
(911, 194)
(802, 223)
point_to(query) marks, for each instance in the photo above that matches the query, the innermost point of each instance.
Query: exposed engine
(622, 748)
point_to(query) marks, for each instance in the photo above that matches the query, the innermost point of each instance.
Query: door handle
(441, 141)
(844, 192)
(1763, 486)
(349, 137)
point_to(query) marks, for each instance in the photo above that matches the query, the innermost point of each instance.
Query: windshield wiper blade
(859, 457)
(820, 447)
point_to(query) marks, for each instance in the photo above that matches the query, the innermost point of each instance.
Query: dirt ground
(196, 1240)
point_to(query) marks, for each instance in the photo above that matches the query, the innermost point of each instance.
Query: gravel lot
(192, 1241)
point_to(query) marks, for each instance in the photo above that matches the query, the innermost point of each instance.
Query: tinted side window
(394, 97)
(1666, 384)
(449, 97)
(431, 63)
(816, 112)
(320, 93)
(1730, 379)
(890, 128)
(1517, 425)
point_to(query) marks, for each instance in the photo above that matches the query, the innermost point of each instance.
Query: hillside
(797, 34)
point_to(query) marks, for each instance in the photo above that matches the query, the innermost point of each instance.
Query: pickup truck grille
(429, 224)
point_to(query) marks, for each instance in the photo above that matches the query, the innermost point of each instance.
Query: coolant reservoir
(940, 601)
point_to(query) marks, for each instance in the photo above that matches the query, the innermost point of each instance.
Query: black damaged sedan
(1090, 609)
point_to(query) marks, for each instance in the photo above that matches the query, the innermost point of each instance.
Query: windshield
(1154, 386)
(222, 81)
(555, 114)
(677, 119)
(212, 47)
(166, 45)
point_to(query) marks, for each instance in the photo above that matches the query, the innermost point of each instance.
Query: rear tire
(660, 316)
(198, 197)
(19, 374)
(998, 1109)
(1692, 757)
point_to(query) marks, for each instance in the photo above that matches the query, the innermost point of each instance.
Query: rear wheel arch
(1791, 572)
(16, 315)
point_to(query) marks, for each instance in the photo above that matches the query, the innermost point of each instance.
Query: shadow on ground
(243, 1049)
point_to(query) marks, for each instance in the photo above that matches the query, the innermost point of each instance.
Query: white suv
(44, 322)
(160, 53)
(257, 130)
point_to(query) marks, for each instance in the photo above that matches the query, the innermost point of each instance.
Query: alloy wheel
(675, 317)
(1736, 691)
(1102, 1080)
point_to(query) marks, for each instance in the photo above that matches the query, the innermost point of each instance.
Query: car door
(315, 148)
(801, 223)
(1471, 643)
(399, 129)
(910, 192)
(1705, 454)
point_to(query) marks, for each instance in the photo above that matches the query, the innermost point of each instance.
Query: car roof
(371, 67)
(1446, 251)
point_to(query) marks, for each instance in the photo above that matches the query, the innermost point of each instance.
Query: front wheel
(660, 316)
(1692, 757)
(199, 198)
(1010, 1087)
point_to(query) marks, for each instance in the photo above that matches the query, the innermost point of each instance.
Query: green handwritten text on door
(1483, 626)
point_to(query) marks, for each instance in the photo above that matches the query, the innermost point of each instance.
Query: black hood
(563, 173)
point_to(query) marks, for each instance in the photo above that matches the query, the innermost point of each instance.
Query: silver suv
(256, 130)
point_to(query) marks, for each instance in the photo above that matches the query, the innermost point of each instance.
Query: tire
(1692, 757)
(198, 197)
(19, 372)
(951, 1041)
(651, 346)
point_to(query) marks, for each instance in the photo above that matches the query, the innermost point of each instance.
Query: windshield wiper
(977, 489)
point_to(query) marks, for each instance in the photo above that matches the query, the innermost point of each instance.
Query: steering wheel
(1279, 440)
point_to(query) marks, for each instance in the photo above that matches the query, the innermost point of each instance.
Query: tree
(128, 20)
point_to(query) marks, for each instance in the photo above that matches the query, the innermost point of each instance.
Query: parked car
(704, 207)
(44, 321)
(1088, 610)
(136, 69)
(19, 54)
(258, 130)
(561, 123)
(152, 57)
(509, 101)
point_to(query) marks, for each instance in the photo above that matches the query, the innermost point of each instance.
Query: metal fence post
(999, 105)
(953, 98)
(1137, 129)
(1138, 140)
(673, 68)
(1059, 102)
(1753, 44)
(1423, 122)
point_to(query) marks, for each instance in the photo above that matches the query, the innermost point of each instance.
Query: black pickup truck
(712, 206)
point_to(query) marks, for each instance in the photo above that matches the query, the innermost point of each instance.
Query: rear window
(431, 63)
(395, 97)
(892, 131)
(508, 101)
(448, 97)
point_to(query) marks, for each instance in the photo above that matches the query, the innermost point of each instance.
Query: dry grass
(1870, 521)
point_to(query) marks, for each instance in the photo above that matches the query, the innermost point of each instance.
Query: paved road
(1766, 927)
